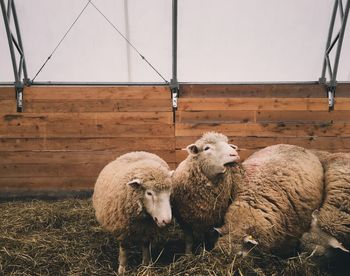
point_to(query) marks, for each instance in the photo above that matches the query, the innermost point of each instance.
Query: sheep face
(319, 243)
(155, 202)
(213, 156)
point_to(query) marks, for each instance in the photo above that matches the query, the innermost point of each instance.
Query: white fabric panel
(218, 41)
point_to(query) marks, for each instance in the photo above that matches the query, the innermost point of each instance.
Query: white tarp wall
(218, 41)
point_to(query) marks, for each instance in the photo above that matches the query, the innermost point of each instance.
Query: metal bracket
(174, 88)
(15, 42)
(174, 84)
(338, 39)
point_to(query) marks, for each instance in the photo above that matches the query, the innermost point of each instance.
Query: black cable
(59, 43)
(132, 46)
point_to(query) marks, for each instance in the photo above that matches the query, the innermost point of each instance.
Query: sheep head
(319, 243)
(213, 154)
(155, 201)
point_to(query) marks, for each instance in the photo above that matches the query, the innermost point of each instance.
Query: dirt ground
(62, 237)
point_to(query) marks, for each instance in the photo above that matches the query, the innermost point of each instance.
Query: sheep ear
(135, 183)
(333, 242)
(218, 230)
(250, 240)
(192, 149)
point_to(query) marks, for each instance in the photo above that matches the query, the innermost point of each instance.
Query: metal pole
(9, 38)
(340, 42)
(174, 85)
(26, 80)
(174, 41)
(330, 33)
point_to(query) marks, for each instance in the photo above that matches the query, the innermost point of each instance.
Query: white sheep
(272, 206)
(203, 186)
(132, 199)
(330, 227)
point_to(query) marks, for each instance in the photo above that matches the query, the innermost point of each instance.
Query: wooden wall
(67, 134)
(256, 116)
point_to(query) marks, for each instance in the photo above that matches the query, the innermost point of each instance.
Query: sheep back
(197, 201)
(334, 215)
(281, 187)
(117, 206)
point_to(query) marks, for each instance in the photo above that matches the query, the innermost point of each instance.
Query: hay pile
(63, 238)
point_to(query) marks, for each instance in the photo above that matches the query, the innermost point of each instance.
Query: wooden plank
(151, 117)
(303, 116)
(282, 104)
(50, 170)
(46, 183)
(87, 144)
(215, 116)
(8, 106)
(72, 157)
(101, 105)
(7, 93)
(260, 90)
(96, 92)
(85, 129)
(322, 143)
(266, 129)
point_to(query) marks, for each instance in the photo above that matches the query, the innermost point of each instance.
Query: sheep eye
(206, 148)
(149, 193)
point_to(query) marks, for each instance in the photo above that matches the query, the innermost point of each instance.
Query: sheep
(330, 227)
(132, 200)
(272, 206)
(203, 186)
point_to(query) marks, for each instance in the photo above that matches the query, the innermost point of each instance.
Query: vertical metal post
(9, 38)
(15, 40)
(332, 84)
(340, 41)
(174, 85)
(330, 33)
(19, 38)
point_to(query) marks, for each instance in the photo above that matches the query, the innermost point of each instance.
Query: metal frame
(338, 39)
(15, 42)
(174, 84)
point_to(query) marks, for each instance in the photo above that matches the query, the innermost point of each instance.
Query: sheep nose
(155, 219)
(166, 221)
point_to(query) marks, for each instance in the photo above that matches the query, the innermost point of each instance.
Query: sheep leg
(146, 256)
(123, 258)
(188, 240)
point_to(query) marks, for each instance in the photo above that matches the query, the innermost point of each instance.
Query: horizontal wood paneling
(97, 93)
(66, 135)
(280, 104)
(256, 116)
(86, 144)
(259, 90)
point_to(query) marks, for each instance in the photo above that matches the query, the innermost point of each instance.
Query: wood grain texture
(86, 144)
(259, 90)
(281, 104)
(97, 93)
(266, 129)
(67, 134)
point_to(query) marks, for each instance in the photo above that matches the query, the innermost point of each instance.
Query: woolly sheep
(202, 186)
(282, 185)
(330, 227)
(131, 198)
